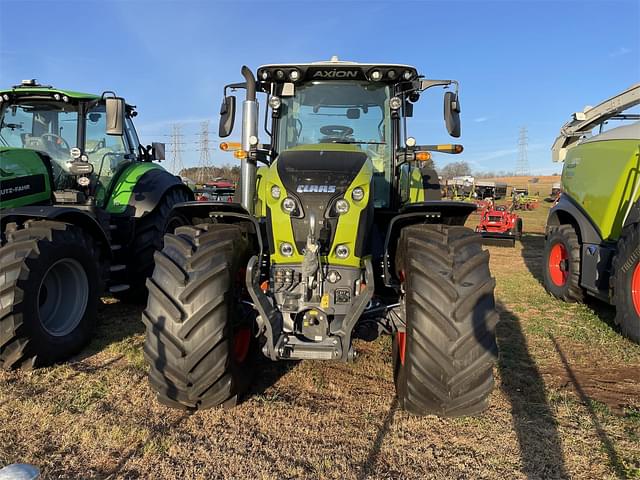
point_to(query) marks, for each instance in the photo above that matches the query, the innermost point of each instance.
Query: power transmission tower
(176, 149)
(522, 167)
(204, 166)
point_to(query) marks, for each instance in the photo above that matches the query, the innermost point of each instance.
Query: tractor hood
(317, 179)
(309, 173)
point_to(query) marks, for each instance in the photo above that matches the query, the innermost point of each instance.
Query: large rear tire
(50, 285)
(199, 341)
(150, 230)
(626, 282)
(561, 268)
(443, 363)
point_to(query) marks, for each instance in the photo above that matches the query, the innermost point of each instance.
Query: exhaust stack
(249, 129)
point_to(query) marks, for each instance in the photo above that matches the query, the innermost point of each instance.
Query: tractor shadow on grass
(116, 321)
(533, 420)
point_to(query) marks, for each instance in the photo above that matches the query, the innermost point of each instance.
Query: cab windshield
(53, 128)
(351, 115)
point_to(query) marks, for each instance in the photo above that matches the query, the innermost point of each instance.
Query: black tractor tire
(626, 282)
(196, 326)
(561, 263)
(50, 282)
(518, 233)
(443, 363)
(149, 233)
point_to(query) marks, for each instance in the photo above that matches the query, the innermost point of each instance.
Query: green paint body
(20, 164)
(600, 176)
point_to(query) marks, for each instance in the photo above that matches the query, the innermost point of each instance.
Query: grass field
(566, 405)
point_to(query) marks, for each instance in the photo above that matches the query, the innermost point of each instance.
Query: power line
(522, 166)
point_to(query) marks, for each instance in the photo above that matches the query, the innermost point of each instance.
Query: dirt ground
(566, 405)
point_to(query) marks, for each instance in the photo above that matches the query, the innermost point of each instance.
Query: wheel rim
(635, 289)
(63, 296)
(402, 345)
(241, 343)
(559, 264)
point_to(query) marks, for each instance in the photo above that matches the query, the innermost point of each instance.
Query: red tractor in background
(499, 222)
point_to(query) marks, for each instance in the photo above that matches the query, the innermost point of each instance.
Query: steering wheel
(339, 131)
(57, 141)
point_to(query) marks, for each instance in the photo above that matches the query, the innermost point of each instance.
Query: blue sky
(519, 63)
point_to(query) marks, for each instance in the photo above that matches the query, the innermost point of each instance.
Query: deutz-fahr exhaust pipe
(249, 129)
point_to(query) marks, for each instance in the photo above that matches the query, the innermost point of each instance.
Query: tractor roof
(335, 69)
(32, 88)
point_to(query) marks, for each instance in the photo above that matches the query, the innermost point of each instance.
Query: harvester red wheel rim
(558, 263)
(635, 288)
(402, 345)
(241, 343)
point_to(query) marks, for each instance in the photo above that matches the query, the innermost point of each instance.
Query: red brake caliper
(558, 264)
(635, 288)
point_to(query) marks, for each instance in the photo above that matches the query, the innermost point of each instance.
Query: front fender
(435, 211)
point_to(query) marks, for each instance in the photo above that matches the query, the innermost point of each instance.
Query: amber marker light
(240, 154)
(230, 146)
(423, 156)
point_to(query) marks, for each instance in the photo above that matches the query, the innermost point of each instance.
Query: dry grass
(566, 404)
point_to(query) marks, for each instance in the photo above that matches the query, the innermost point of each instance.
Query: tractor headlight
(342, 206)
(275, 102)
(407, 75)
(286, 249)
(275, 192)
(288, 205)
(376, 75)
(294, 75)
(395, 103)
(357, 194)
(342, 251)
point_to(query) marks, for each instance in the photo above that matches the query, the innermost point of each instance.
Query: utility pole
(204, 166)
(176, 149)
(522, 166)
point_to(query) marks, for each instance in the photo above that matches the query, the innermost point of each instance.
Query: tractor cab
(88, 139)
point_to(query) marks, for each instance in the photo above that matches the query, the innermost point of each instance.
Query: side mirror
(115, 115)
(158, 151)
(227, 116)
(452, 114)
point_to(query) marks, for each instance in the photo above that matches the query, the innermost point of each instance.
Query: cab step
(118, 288)
(117, 268)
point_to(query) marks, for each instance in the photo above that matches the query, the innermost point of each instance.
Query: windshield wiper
(357, 142)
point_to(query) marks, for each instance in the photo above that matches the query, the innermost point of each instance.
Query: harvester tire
(561, 267)
(199, 340)
(626, 282)
(443, 362)
(50, 282)
(150, 230)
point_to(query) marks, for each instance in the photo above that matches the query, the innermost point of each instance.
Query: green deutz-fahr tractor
(82, 210)
(339, 234)
(593, 232)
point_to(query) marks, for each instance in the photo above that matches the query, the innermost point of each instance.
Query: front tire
(443, 363)
(199, 341)
(626, 282)
(561, 268)
(150, 230)
(50, 276)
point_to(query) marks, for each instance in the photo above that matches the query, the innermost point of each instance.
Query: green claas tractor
(338, 235)
(593, 232)
(82, 210)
